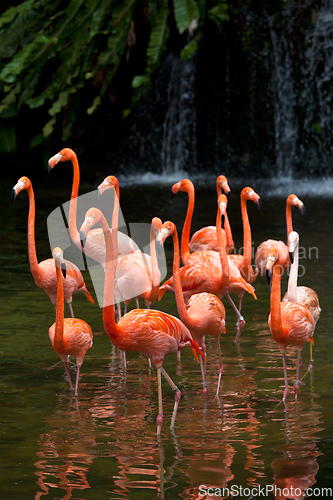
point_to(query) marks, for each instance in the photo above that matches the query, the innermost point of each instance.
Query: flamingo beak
(302, 209)
(222, 220)
(291, 257)
(268, 276)
(63, 269)
(259, 204)
(13, 195)
(83, 238)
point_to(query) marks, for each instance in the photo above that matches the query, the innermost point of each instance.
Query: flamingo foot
(204, 389)
(285, 393)
(178, 395)
(239, 326)
(159, 421)
(296, 387)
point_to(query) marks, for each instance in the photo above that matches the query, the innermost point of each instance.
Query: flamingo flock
(211, 270)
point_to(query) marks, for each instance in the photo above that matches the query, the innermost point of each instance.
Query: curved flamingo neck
(185, 241)
(59, 323)
(34, 267)
(111, 328)
(225, 272)
(289, 219)
(247, 237)
(73, 231)
(155, 274)
(292, 281)
(275, 299)
(115, 220)
(182, 311)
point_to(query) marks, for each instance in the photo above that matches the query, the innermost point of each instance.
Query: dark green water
(103, 444)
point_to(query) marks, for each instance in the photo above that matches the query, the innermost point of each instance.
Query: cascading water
(303, 86)
(179, 127)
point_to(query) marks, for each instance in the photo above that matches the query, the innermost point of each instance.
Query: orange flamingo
(261, 253)
(220, 280)
(150, 332)
(95, 246)
(199, 256)
(204, 313)
(139, 271)
(205, 238)
(243, 262)
(44, 273)
(69, 336)
(301, 294)
(290, 323)
(136, 270)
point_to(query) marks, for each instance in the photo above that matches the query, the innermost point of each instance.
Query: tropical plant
(52, 49)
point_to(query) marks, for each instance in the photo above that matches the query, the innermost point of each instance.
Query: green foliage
(51, 50)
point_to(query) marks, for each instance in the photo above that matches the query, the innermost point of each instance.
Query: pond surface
(103, 444)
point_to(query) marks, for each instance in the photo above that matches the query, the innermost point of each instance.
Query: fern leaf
(185, 12)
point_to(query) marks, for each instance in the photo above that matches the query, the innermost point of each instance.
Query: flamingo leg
(204, 383)
(311, 358)
(297, 381)
(68, 375)
(286, 389)
(71, 309)
(220, 368)
(177, 396)
(159, 419)
(123, 353)
(137, 303)
(77, 381)
(240, 320)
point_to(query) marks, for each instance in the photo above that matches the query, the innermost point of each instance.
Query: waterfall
(179, 128)
(303, 88)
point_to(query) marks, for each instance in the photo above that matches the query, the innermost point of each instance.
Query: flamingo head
(222, 203)
(93, 216)
(166, 230)
(293, 243)
(63, 155)
(249, 194)
(184, 185)
(58, 256)
(22, 183)
(222, 183)
(272, 258)
(109, 182)
(294, 201)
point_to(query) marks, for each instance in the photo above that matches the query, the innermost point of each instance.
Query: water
(103, 444)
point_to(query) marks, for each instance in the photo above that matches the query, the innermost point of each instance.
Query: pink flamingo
(205, 256)
(205, 238)
(150, 332)
(95, 245)
(204, 313)
(290, 323)
(261, 253)
(69, 336)
(300, 294)
(220, 280)
(44, 273)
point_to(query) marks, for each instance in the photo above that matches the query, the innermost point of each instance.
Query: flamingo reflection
(65, 453)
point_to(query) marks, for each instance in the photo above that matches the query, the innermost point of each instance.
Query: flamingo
(243, 262)
(95, 245)
(300, 294)
(69, 336)
(204, 256)
(204, 313)
(136, 270)
(139, 271)
(220, 280)
(261, 253)
(44, 273)
(150, 332)
(205, 238)
(290, 323)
